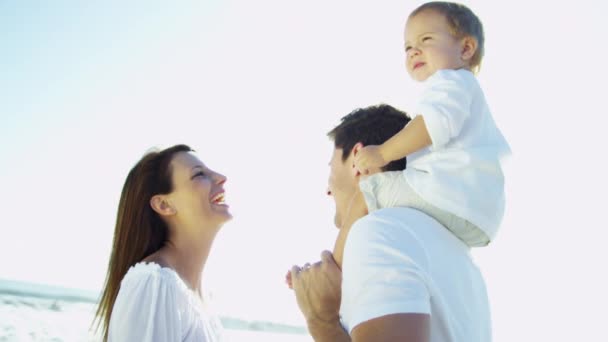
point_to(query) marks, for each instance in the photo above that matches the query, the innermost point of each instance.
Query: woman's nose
(220, 178)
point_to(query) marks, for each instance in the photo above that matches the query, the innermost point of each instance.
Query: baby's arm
(413, 137)
(442, 111)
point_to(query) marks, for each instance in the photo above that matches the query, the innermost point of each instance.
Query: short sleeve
(383, 273)
(445, 104)
(145, 310)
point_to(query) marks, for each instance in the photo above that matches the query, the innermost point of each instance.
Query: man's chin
(337, 221)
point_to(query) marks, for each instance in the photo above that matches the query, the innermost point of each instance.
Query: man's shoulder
(405, 227)
(398, 226)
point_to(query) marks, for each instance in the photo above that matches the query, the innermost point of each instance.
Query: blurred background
(86, 88)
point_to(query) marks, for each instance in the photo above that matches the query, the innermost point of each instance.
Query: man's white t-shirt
(399, 260)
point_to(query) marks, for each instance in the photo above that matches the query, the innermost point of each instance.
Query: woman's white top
(154, 304)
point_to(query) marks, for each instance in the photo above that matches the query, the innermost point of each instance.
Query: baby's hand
(369, 157)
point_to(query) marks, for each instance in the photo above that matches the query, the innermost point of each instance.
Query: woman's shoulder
(148, 271)
(149, 298)
(152, 277)
(147, 276)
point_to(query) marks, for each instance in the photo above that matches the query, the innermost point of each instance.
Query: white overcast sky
(86, 88)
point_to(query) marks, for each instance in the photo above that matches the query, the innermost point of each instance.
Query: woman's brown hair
(139, 230)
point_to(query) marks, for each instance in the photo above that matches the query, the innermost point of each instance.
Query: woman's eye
(199, 174)
(426, 38)
(407, 48)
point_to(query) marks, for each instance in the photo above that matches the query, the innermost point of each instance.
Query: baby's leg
(466, 231)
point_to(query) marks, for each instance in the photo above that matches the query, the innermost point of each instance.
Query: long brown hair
(139, 229)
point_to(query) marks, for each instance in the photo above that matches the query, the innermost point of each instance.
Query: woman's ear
(161, 205)
(469, 47)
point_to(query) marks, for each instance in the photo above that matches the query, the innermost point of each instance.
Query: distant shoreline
(37, 290)
(41, 291)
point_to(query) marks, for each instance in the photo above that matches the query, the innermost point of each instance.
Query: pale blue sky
(86, 88)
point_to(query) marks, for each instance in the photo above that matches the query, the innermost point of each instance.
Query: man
(396, 274)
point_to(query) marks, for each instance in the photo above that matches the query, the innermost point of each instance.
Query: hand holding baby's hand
(369, 157)
(288, 280)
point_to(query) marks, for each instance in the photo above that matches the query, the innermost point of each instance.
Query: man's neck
(357, 210)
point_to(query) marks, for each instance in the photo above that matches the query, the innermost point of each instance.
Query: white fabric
(400, 194)
(460, 172)
(399, 260)
(154, 304)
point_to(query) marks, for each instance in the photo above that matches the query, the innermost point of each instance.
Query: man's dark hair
(371, 125)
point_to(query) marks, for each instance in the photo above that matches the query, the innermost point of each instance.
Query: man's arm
(385, 293)
(404, 327)
(318, 292)
(390, 328)
(333, 332)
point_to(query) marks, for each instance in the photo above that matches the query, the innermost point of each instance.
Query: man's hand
(318, 293)
(369, 157)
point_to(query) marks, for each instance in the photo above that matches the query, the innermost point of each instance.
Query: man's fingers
(288, 280)
(295, 270)
(328, 258)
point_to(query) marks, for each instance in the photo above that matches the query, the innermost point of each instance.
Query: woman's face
(198, 192)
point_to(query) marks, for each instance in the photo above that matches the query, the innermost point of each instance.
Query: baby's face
(430, 45)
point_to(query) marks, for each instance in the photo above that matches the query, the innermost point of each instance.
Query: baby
(452, 144)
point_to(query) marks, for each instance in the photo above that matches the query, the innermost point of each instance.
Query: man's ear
(161, 205)
(353, 153)
(469, 47)
(356, 149)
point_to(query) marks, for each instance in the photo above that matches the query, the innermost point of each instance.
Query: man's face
(342, 184)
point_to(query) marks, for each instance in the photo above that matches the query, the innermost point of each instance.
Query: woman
(170, 210)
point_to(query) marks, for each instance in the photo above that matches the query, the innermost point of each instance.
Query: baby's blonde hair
(463, 22)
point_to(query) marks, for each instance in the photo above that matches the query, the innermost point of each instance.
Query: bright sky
(253, 86)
